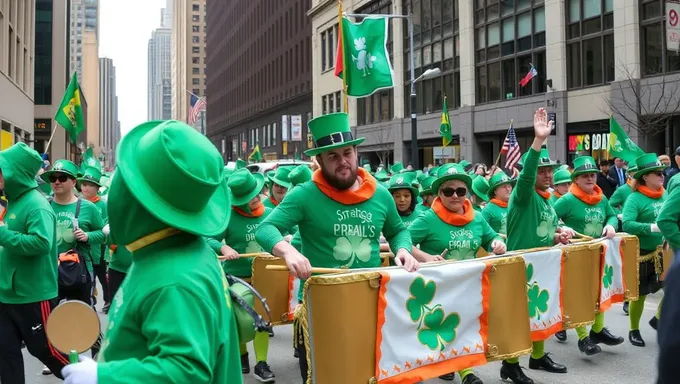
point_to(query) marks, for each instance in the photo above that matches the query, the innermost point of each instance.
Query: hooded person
(172, 320)
(28, 261)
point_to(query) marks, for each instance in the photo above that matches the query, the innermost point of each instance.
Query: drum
(581, 284)
(667, 261)
(275, 287)
(630, 246)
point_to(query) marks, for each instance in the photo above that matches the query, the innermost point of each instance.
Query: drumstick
(584, 236)
(255, 254)
(284, 268)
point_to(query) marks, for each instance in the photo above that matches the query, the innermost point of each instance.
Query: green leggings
(635, 309)
(261, 346)
(582, 332)
(537, 351)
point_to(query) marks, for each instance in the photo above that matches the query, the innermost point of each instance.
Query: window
(43, 52)
(195, 7)
(324, 60)
(195, 28)
(195, 71)
(509, 39)
(195, 50)
(324, 105)
(328, 46)
(195, 81)
(195, 91)
(195, 39)
(654, 53)
(195, 60)
(590, 42)
(331, 103)
(195, 18)
(338, 102)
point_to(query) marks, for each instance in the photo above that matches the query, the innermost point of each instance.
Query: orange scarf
(273, 200)
(557, 194)
(590, 199)
(95, 199)
(366, 188)
(543, 194)
(630, 183)
(425, 204)
(257, 212)
(500, 203)
(649, 193)
(451, 218)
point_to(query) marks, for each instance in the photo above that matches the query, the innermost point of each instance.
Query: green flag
(90, 160)
(620, 145)
(364, 63)
(255, 155)
(445, 127)
(70, 113)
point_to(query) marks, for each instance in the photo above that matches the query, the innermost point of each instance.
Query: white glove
(85, 372)
(619, 216)
(106, 230)
(655, 228)
(609, 231)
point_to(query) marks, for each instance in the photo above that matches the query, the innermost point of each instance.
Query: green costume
(93, 175)
(496, 211)
(669, 219)
(479, 189)
(405, 181)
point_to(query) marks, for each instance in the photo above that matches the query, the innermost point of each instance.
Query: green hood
(19, 164)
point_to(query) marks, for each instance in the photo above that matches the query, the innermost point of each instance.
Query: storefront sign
(6, 140)
(284, 128)
(296, 128)
(589, 142)
(673, 26)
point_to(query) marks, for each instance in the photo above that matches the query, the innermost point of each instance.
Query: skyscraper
(159, 86)
(108, 110)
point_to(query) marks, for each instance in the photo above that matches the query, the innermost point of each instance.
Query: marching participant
(669, 220)
(426, 193)
(171, 320)
(404, 193)
(341, 213)
(478, 192)
(639, 218)
(561, 183)
(496, 212)
(586, 210)
(619, 197)
(279, 184)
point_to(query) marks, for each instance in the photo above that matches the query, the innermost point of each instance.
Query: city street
(621, 364)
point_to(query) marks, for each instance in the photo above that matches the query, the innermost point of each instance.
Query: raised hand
(542, 127)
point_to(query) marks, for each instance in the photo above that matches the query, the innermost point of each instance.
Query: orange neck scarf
(95, 199)
(257, 212)
(500, 203)
(649, 193)
(557, 194)
(590, 199)
(543, 194)
(273, 200)
(630, 183)
(451, 218)
(365, 191)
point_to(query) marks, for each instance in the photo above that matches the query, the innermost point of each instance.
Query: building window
(195, 18)
(195, 60)
(509, 39)
(590, 42)
(195, 7)
(195, 39)
(195, 28)
(331, 103)
(329, 44)
(654, 53)
(195, 91)
(195, 71)
(195, 50)
(324, 105)
(338, 102)
(43, 52)
(274, 134)
(195, 81)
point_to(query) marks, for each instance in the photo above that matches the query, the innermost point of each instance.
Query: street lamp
(428, 74)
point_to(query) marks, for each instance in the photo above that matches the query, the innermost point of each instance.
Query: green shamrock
(461, 254)
(608, 276)
(593, 229)
(347, 248)
(530, 272)
(65, 233)
(253, 247)
(538, 301)
(422, 294)
(439, 331)
(542, 230)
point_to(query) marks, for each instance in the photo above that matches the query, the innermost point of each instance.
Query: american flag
(198, 105)
(511, 149)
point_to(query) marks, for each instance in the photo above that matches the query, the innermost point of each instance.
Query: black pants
(302, 351)
(115, 280)
(26, 322)
(100, 274)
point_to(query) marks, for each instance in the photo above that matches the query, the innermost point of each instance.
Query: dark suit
(614, 174)
(607, 184)
(668, 335)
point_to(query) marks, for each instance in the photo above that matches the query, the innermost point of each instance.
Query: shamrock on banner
(612, 284)
(544, 273)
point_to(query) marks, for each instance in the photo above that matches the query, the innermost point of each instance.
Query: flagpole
(341, 41)
(47, 146)
(498, 159)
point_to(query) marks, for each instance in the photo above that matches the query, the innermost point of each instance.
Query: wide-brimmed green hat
(647, 163)
(426, 186)
(480, 188)
(329, 132)
(433, 171)
(244, 186)
(582, 165)
(632, 168)
(500, 178)
(450, 171)
(404, 180)
(396, 168)
(381, 175)
(177, 175)
(300, 174)
(90, 175)
(465, 164)
(64, 166)
(562, 176)
(281, 177)
(241, 163)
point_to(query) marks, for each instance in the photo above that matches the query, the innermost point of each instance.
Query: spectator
(617, 172)
(605, 181)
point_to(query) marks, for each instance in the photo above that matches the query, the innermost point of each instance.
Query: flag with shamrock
(255, 155)
(620, 145)
(612, 284)
(90, 160)
(445, 127)
(440, 312)
(544, 292)
(70, 113)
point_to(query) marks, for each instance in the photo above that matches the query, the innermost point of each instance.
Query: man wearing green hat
(561, 184)
(496, 212)
(172, 319)
(279, 186)
(341, 213)
(426, 193)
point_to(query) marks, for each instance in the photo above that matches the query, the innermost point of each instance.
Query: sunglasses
(448, 192)
(61, 178)
(658, 173)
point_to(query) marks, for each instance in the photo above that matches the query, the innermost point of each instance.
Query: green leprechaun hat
(300, 174)
(647, 163)
(396, 168)
(632, 168)
(562, 176)
(500, 178)
(280, 177)
(90, 175)
(480, 187)
(583, 165)
(545, 161)
(426, 185)
(241, 163)
(64, 166)
(381, 175)
(331, 131)
(244, 186)
(403, 181)
(450, 171)
(433, 171)
(465, 164)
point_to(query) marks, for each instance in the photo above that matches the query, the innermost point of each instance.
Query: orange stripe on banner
(540, 335)
(382, 304)
(606, 304)
(437, 369)
(291, 295)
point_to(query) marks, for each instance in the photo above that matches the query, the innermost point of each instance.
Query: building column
(626, 39)
(467, 52)
(556, 50)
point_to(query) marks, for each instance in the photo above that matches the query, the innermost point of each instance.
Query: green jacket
(669, 218)
(639, 213)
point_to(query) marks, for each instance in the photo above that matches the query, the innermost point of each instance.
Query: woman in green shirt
(639, 218)
(402, 187)
(496, 212)
(561, 184)
(621, 194)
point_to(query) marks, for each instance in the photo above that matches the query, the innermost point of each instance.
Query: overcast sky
(124, 32)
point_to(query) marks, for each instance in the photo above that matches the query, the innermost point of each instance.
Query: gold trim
(581, 324)
(509, 355)
(657, 257)
(152, 238)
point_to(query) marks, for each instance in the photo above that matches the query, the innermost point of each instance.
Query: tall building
(16, 65)
(159, 86)
(188, 54)
(259, 76)
(589, 55)
(108, 110)
(84, 17)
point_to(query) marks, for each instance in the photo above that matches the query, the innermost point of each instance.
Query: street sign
(673, 26)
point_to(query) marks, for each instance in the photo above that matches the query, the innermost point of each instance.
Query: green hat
(244, 186)
(177, 175)
(396, 168)
(420, 175)
(433, 171)
(382, 175)
(30, 163)
(64, 166)
(545, 161)
(90, 175)
(403, 181)
(562, 176)
(647, 163)
(464, 163)
(300, 174)
(632, 168)
(280, 177)
(583, 165)
(228, 171)
(240, 164)
(500, 178)
(450, 171)
(480, 187)
(426, 185)
(329, 132)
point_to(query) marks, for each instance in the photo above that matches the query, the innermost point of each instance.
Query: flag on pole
(620, 145)
(90, 160)
(255, 155)
(364, 62)
(445, 127)
(70, 113)
(511, 149)
(198, 105)
(532, 73)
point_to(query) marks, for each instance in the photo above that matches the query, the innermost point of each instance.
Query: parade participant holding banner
(239, 238)
(496, 212)
(586, 210)
(561, 183)
(341, 213)
(639, 218)
(532, 223)
(172, 319)
(404, 193)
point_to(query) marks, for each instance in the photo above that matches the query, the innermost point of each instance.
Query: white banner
(672, 26)
(432, 322)
(293, 290)
(296, 128)
(544, 291)
(284, 128)
(612, 285)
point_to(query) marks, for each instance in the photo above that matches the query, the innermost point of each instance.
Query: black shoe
(514, 372)
(263, 373)
(547, 364)
(448, 376)
(296, 353)
(245, 364)
(472, 379)
(588, 347)
(625, 307)
(605, 337)
(635, 338)
(654, 323)
(271, 333)
(105, 309)
(561, 335)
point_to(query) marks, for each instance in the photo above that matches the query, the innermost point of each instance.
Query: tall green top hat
(465, 164)
(426, 185)
(562, 176)
(403, 181)
(544, 159)
(382, 175)
(331, 131)
(300, 174)
(396, 168)
(280, 177)
(480, 187)
(450, 171)
(500, 178)
(64, 166)
(244, 186)
(583, 165)
(90, 175)
(647, 163)
(177, 175)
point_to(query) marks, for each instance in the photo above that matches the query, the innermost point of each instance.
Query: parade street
(622, 364)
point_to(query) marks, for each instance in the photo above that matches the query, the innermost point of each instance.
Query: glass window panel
(523, 67)
(417, 58)
(426, 14)
(494, 79)
(479, 17)
(591, 8)
(574, 10)
(479, 4)
(447, 11)
(508, 48)
(651, 10)
(448, 88)
(457, 45)
(609, 58)
(608, 22)
(492, 12)
(427, 55)
(507, 7)
(509, 79)
(376, 107)
(427, 95)
(524, 44)
(456, 88)
(493, 52)
(438, 93)
(416, 17)
(524, 24)
(539, 63)
(508, 29)
(481, 38)
(651, 48)
(592, 26)
(523, 4)
(494, 34)
(448, 48)
(592, 57)
(384, 106)
(539, 19)
(481, 84)
(673, 62)
(539, 40)
(608, 5)
(437, 53)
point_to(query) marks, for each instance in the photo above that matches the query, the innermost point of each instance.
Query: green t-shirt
(673, 183)
(89, 220)
(98, 252)
(496, 216)
(409, 219)
(669, 218)
(268, 203)
(553, 199)
(639, 213)
(422, 208)
(584, 218)
(619, 197)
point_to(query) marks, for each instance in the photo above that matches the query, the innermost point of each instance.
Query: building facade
(159, 76)
(108, 111)
(84, 17)
(605, 56)
(17, 31)
(188, 54)
(259, 77)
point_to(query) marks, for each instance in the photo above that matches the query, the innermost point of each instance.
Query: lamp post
(428, 74)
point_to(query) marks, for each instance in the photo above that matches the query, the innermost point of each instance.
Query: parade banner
(545, 280)
(293, 290)
(433, 322)
(612, 285)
